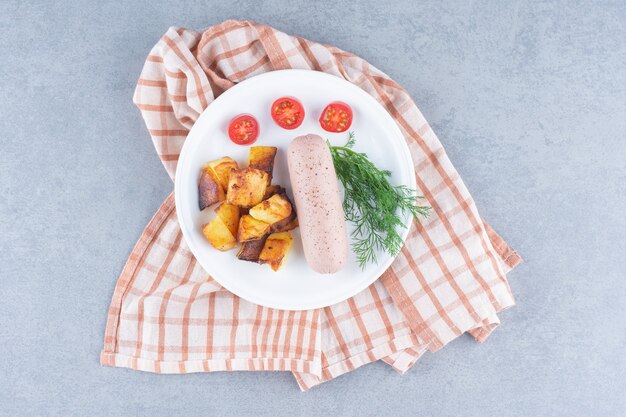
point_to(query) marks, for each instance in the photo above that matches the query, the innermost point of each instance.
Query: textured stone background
(529, 100)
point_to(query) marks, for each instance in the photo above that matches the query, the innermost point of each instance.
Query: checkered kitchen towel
(167, 315)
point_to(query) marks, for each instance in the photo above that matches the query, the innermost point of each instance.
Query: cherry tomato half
(287, 112)
(336, 117)
(243, 129)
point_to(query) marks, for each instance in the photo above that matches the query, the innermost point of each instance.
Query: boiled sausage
(318, 203)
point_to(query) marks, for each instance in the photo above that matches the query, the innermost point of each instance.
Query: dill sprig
(372, 203)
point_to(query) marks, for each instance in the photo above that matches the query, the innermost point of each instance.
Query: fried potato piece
(275, 249)
(209, 190)
(274, 209)
(285, 224)
(246, 187)
(251, 250)
(262, 157)
(218, 234)
(288, 223)
(251, 229)
(221, 169)
(273, 189)
(230, 216)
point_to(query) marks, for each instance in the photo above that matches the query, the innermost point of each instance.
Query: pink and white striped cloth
(168, 315)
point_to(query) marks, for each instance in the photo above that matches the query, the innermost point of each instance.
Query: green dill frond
(371, 203)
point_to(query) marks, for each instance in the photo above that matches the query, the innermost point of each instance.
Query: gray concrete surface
(528, 98)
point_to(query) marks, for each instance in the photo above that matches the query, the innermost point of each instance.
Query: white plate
(296, 286)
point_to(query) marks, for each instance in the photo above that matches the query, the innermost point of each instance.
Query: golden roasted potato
(218, 234)
(273, 189)
(274, 209)
(285, 225)
(230, 216)
(251, 250)
(275, 249)
(246, 187)
(262, 157)
(209, 190)
(251, 228)
(221, 170)
(288, 223)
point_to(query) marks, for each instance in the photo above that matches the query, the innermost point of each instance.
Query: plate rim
(287, 305)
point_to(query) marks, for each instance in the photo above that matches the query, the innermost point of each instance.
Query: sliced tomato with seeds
(287, 112)
(336, 117)
(243, 129)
